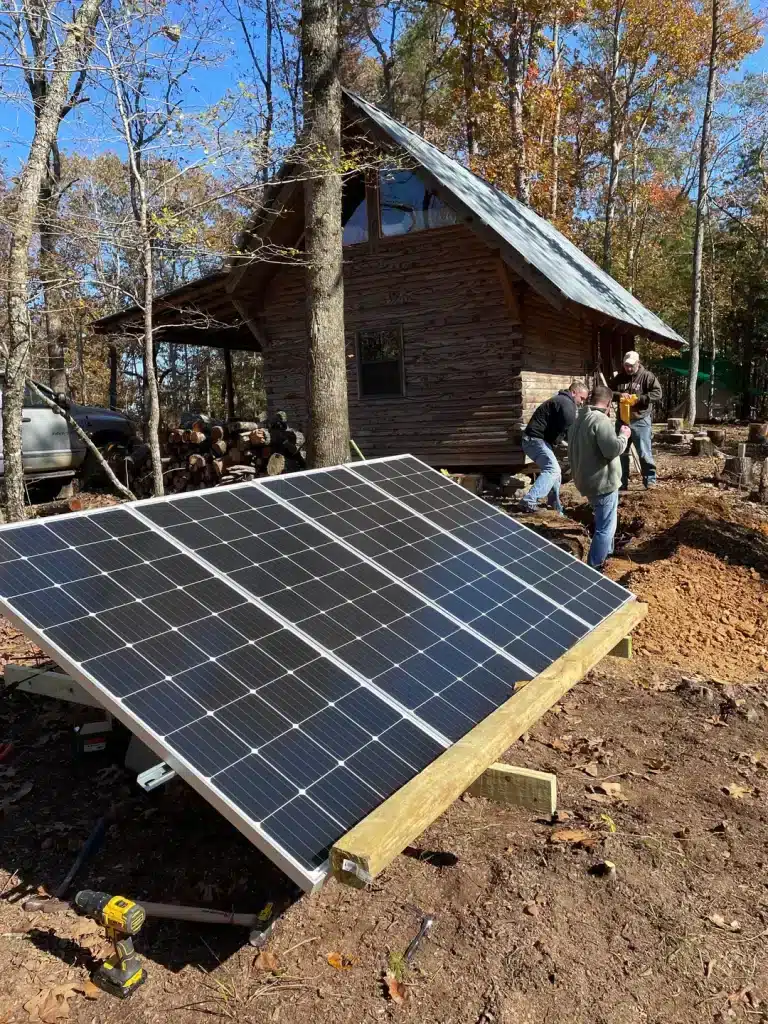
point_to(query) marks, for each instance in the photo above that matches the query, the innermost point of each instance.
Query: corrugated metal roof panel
(537, 241)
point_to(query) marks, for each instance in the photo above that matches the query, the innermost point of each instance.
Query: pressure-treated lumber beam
(623, 648)
(374, 843)
(520, 787)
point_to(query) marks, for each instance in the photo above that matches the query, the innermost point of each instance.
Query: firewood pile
(205, 454)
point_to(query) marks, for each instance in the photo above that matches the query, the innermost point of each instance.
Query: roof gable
(546, 250)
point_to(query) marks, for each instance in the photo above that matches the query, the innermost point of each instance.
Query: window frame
(361, 395)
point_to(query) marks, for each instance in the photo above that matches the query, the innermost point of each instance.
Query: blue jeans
(641, 439)
(547, 483)
(605, 507)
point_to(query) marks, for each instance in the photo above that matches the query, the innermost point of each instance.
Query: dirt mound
(706, 614)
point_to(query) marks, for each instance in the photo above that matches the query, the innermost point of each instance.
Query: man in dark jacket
(550, 422)
(643, 388)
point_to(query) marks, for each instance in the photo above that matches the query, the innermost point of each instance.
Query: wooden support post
(521, 787)
(623, 648)
(229, 383)
(375, 842)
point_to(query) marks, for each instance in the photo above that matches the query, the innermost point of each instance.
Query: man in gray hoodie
(594, 451)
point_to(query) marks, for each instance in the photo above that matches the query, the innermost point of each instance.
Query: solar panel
(300, 648)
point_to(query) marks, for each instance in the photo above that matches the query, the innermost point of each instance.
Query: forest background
(592, 111)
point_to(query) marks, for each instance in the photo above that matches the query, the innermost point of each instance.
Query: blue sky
(90, 133)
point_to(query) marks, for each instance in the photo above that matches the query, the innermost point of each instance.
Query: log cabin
(464, 309)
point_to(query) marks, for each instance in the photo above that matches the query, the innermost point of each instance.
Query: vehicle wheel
(43, 491)
(91, 472)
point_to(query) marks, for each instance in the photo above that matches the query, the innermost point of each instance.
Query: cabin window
(354, 210)
(380, 362)
(407, 204)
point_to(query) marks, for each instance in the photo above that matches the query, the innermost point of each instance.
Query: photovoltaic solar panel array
(301, 647)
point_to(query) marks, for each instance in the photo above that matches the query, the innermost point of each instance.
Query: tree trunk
(468, 79)
(557, 87)
(610, 205)
(49, 273)
(615, 134)
(153, 419)
(694, 333)
(326, 363)
(516, 84)
(25, 207)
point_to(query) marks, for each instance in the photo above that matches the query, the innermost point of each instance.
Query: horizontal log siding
(557, 348)
(462, 349)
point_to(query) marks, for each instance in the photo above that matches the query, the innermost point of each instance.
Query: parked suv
(48, 446)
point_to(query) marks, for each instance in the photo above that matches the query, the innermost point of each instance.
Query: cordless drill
(122, 973)
(625, 406)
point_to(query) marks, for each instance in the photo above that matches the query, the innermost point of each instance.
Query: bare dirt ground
(662, 770)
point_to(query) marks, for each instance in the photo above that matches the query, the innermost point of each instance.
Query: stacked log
(206, 455)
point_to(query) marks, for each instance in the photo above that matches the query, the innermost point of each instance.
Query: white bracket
(155, 776)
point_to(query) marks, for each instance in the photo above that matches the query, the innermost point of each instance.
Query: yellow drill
(625, 407)
(122, 973)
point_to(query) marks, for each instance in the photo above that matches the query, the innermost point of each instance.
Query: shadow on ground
(169, 846)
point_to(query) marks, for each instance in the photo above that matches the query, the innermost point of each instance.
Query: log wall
(462, 341)
(557, 349)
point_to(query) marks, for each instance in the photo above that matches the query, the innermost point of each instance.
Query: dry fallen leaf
(592, 769)
(719, 922)
(90, 991)
(574, 837)
(562, 744)
(341, 961)
(560, 816)
(609, 788)
(737, 792)
(396, 990)
(50, 1005)
(265, 961)
(599, 798)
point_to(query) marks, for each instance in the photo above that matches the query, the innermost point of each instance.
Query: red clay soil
(661, 769)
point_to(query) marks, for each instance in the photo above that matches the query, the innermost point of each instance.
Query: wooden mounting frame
(374, 843)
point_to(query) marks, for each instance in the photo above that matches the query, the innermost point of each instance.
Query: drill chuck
(114, 912)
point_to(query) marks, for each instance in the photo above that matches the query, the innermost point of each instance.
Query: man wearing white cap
(643, 389)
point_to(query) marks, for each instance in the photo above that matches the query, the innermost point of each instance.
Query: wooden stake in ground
(326, 361)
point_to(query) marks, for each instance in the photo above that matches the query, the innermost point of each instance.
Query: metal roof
(538, 242)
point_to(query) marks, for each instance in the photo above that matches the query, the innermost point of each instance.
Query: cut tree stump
(758, 433)
(762, 491)
(717, 437)
(737, 470)
(675, 425)
(702, 446)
